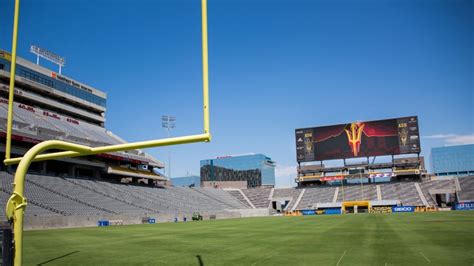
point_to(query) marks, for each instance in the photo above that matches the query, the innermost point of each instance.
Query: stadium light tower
(52, 57)
(168, 122)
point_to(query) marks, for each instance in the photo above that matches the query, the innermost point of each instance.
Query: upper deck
(52, 80)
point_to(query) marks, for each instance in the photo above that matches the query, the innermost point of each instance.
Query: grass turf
(444, 238)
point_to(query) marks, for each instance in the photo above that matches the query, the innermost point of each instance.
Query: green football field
(444, 238)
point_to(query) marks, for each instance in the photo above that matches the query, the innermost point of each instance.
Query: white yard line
(426, 258)
(262, 259)
(342, 256)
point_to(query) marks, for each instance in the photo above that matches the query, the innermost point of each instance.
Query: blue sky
(274, 66)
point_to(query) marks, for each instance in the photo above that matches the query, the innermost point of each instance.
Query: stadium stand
(49, 105)
(432, 187)
(316, 195)
(357, 192)
(258, 196)
(33, 209)
(237, 193)
(56, 201)
(30, 122)
(52, 196)
(467, 188)
(401, 191)
(405, 193)
(286, 194)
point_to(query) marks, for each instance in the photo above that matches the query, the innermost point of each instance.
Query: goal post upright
(11, 92)
(205, 68)
(17, 202)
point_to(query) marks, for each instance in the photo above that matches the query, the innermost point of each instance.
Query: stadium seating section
(467, 189)
(63, 196)
(32, 123)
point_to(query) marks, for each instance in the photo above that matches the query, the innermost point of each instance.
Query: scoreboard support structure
(406, 167)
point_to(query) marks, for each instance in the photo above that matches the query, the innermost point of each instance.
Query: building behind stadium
(49, 105)
(453, 160)
(186, 181)
(238, 171)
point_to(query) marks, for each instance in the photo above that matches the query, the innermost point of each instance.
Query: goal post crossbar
(17, 202)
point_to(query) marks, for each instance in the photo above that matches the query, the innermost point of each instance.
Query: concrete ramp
(457, 184)
(270, 197)
(336, 193)
(247, 199)
(379, 192)
(420, 193)
(298, 200)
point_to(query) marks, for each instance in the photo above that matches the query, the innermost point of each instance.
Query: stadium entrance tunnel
(355, 207)
(444, 197)
(279, 205)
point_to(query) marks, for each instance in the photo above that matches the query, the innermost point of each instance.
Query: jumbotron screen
(358, 139)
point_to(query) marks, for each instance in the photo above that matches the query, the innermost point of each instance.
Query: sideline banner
(333, 211)
(380, 209)
(308, 212)
(465, 206)
(403, 209)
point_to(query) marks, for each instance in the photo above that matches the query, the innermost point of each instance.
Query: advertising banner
(465, 206)
(358, 139)
(331, 178)
(403, 209)
(308, 212)
(333, 211)
(381, 175)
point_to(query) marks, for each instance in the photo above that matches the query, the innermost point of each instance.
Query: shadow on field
(57, 258)
(200, 260)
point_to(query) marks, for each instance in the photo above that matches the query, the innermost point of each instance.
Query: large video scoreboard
(358, 139)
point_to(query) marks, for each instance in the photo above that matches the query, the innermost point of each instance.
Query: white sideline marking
(267, 257)
(339, 261)
(428, 260)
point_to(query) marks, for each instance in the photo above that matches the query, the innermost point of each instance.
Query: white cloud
(440, 136)
(453, 139)
(285, 176)
(457, 140)
(282, 171)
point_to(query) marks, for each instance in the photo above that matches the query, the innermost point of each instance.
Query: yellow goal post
(16, 204)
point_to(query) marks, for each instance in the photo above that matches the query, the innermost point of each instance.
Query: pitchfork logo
(354, 136)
